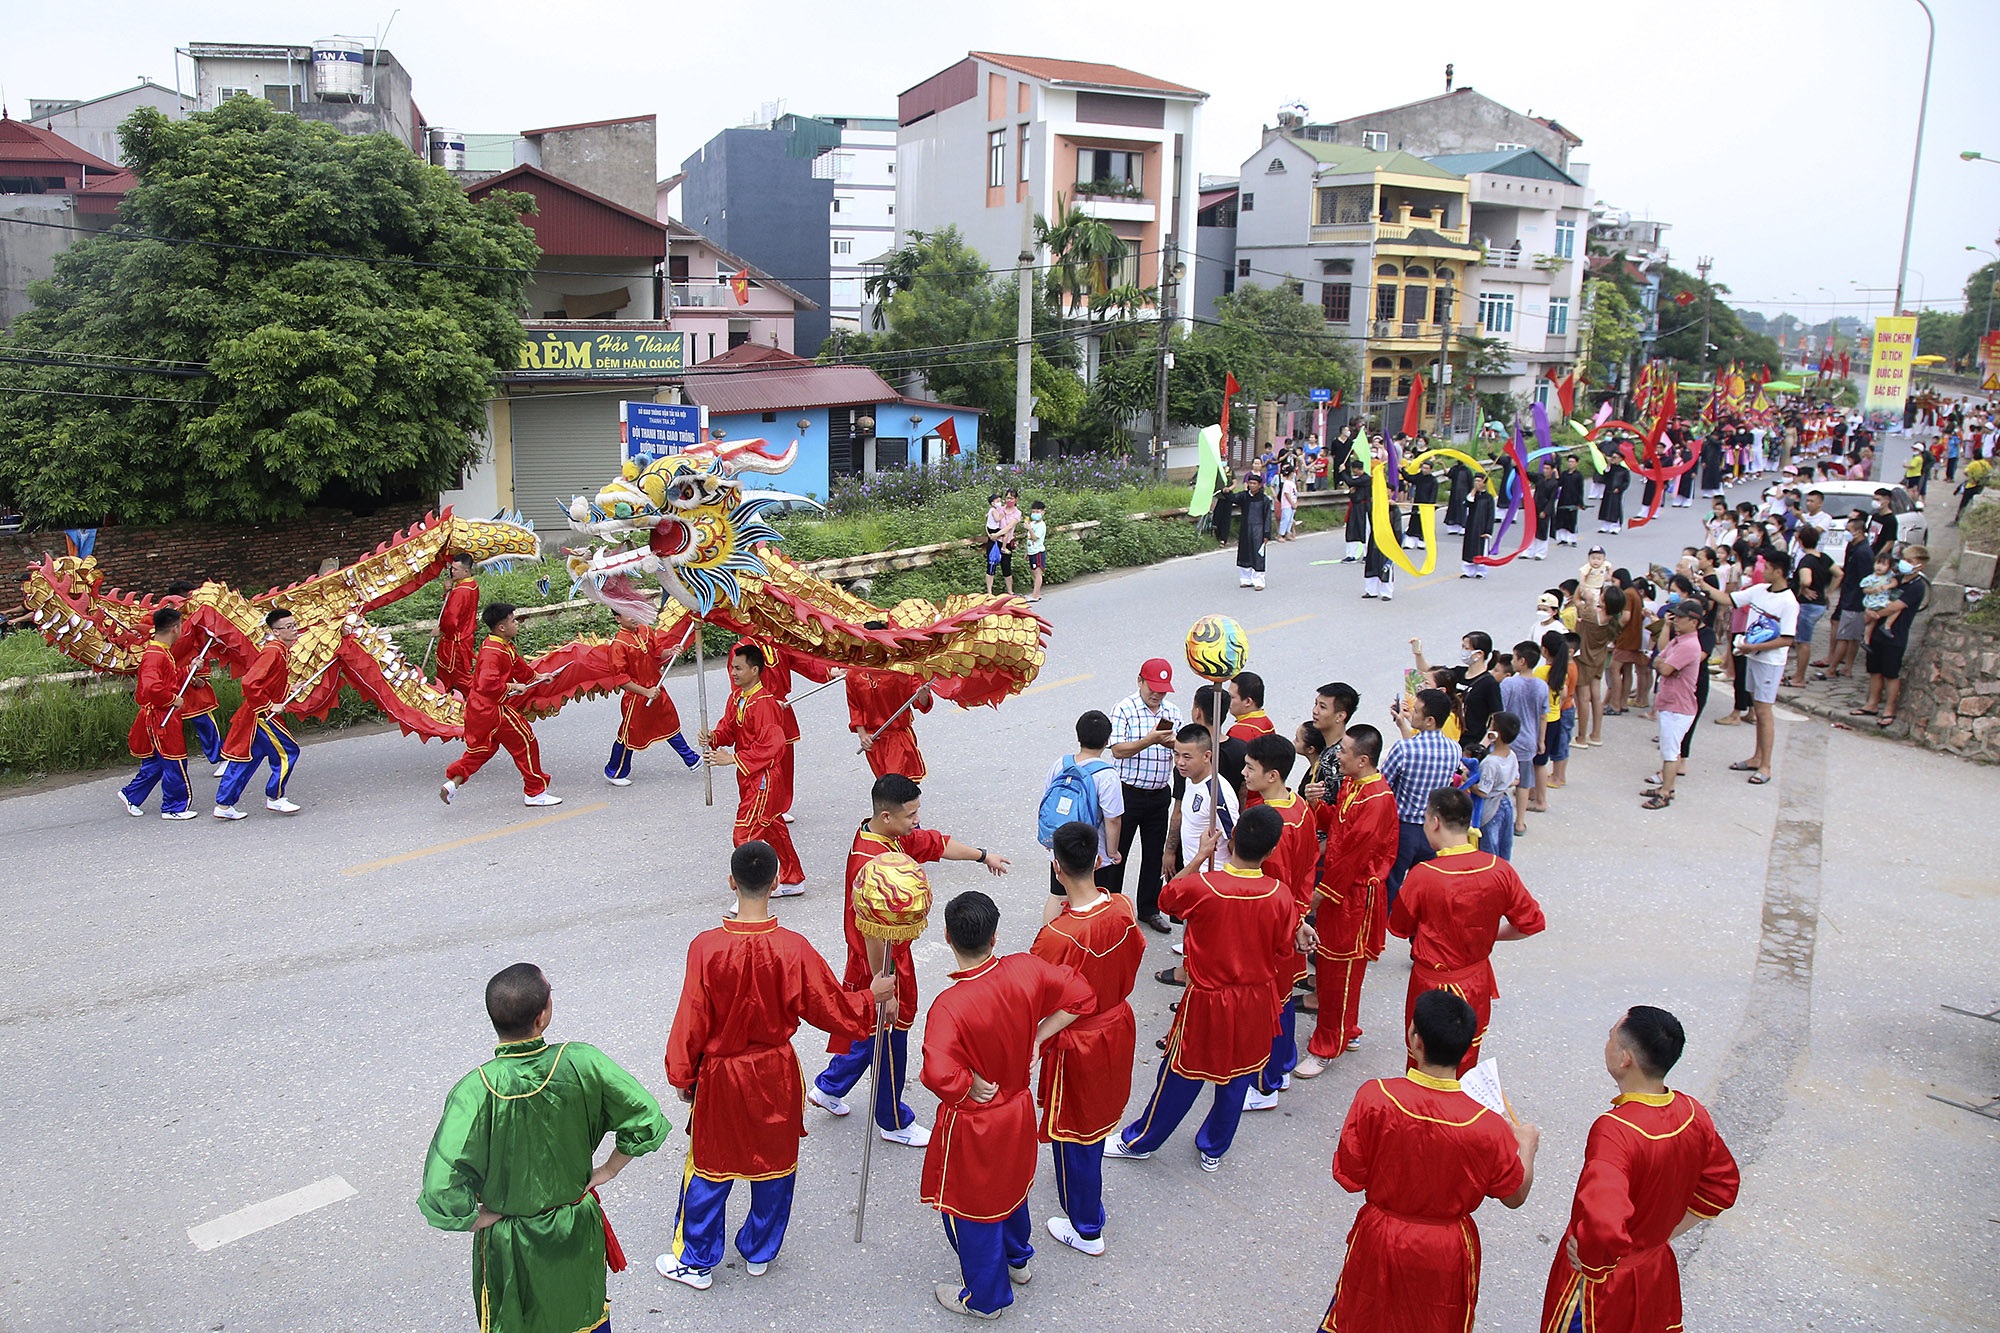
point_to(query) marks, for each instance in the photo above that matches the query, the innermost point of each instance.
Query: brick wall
(1951, 689)
(249, 557)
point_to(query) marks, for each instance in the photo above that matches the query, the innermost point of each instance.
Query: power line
(120, 397)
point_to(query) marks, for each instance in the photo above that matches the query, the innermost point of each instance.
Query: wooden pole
(701, 697)
(877, 1056)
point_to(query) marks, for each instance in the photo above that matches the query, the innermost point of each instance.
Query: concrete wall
(751, 196)
(618, 161)
(1217, 248)
(1463, 123)
(94, 127)
(28, 254)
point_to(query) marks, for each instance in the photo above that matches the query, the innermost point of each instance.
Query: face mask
(1470, 657)
(1904, 566)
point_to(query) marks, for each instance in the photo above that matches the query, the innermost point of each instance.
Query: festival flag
(1207, 470)
(1566, 393)
(739, 283)
(1684, 298)
(1337, 395)
(947, 430)
(1230, 388)
(1413, 410)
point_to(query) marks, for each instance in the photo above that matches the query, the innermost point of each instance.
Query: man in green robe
(511, 1163)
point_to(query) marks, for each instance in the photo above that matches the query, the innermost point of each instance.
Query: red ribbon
(614, 1253)
(1527, 495)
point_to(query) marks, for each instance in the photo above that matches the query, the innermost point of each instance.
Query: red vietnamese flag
(1337, 395)
(739, 284)
(1566, 392)
(1684, 298)
(1413, 410)
(1230, 388)
(947, 430)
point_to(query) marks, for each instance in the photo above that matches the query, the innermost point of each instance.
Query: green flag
(1207, 470)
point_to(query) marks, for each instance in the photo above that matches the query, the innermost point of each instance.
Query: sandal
(1656, 802)
(1862, 712)
(1759, 779)
(1165, 976)
(1743, 766)
(1821, 675)
(1886, 720)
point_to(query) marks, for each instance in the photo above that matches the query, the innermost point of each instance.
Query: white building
(92, 124)
(338, 80)
(862, 221)
(996, 136)
(1531, 221)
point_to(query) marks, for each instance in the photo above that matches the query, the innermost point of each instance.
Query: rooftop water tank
(340, 66)
(448, 149)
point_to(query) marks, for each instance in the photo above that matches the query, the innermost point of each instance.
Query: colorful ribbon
(1523, 502)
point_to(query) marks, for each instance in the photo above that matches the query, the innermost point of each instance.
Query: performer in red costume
(1246, 707)
(780, 665)
(1352, 897)
(747, 986)
(1087, 1070)
(457, 622)
(257, 732)
(491, 720)
(1243, 932)
(156, 738)
(752, 727)
(1426, 1155)
(198, 702)
(980, 1038)
(1464, 900)
(1653, 1167)
(646, 712)
(895, 802)
(875, 702)
(1267, 764)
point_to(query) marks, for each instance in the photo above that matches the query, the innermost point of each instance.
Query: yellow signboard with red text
(1889, 370)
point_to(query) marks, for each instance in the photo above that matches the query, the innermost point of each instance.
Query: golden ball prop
(892, 898)
(1217, 648)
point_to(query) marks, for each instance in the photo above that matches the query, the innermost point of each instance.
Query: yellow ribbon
(1426, 514)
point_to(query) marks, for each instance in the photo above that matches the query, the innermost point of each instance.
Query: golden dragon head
(682, 519)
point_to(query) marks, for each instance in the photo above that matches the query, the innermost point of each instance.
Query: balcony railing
(701, 294)
(1400, 329)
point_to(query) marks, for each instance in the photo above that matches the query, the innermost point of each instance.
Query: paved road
(208, 1016)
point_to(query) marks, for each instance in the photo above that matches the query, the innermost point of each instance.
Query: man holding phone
(1142, 741)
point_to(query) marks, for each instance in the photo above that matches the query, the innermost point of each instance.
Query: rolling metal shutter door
(564, 445)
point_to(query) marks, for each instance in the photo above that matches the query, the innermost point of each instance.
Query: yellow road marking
(1055, 684)
(368, 867)
(1295, 620)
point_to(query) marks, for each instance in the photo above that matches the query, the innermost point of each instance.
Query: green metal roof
(1349, 159)
(1522, 162)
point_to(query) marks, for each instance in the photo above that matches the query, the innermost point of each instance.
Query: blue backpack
(1071, 795)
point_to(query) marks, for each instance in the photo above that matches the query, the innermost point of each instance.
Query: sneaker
(284, 805)
(755, 1269)
(1020, 1277)
(1259, 1101)
(1065, 1231)
(1285, 1083)
(444, 792)
(788, 890)
(229, 812)
(619, 782)
(1180, 948)
(1115, 1146)
(826, 1101)
(952, 1297)
(673, 1270)
(544, 799)
(1210, 1164)
(177, 814)
(912, 1135)
(221, 768)
(1310, 1066)
(130, 808)
(787, 817)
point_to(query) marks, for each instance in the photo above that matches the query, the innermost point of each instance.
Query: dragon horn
(756, 456)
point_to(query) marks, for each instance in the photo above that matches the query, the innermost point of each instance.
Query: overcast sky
(1775, 137)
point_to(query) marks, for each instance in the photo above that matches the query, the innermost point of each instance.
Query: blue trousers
(1080, 1184)
(844, 1071)
(986, 1250)
(698, 1221)
(620, 763)
(1496, 835)
(211, 739)
(272, 745)
(1411, 847)
(1173, 1096)
(1284, 1049)
(169, 775)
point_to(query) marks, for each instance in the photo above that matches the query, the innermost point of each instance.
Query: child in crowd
(1878, 588)
(1499, 774)
(1038, 545)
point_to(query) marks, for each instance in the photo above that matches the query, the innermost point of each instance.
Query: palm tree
(897, 274)
(1085, 255)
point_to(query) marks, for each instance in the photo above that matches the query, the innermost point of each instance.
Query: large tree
(330, 313)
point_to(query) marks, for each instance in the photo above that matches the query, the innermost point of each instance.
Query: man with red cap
(1142, 742)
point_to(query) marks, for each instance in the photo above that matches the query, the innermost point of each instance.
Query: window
(1496, 311)
(1336, 268)
(996, 159)
(1558, 316)
(1111, 171)
(837, 201)
(830, 165)
(1375, 139)
(1228, 283)
(1386, 270)
(1385, 300)
(1242, 268)
(1566, 238)
(1298, 289)
(1338, 204)
(1336, 301)
(1021, 149)
(1509, 147)
(1441, 305)
(1415, 298)
(1247, 204)
(843, 245)
(1378, 388)
(1415, 271)
(223, 94)
(280, 95)
(1276, 167)
(770, 416)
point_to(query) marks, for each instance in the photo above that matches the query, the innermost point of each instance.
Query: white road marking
(258, 1216)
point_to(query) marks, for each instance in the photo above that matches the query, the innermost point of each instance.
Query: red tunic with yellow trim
(500, 665)
(1251, 725)
(747, 986)
(1294, 863)
(753, 724)
(981, 1158)
(1087, 1067)
(157, 729)
(1450, 910)
(1426, 1155)
(1652, 1159)
(265, 686)
(638, 655)
(199, 697)
(873, 697)
(1361, 833)
(921, 845)
(457, 623)
(1239, 939)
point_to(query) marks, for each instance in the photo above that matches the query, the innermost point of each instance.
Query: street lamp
(1917, 157)
(1990, 286)
(1974, 155)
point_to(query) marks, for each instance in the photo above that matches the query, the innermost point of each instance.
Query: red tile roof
(35, 150)
(103, 195)
(1088, 72)
(571, 220)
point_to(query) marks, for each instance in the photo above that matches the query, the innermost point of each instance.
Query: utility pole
(1024, 334)
(1702, 266)
(1168, 260)
(1917, 154)
(1443, 385)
